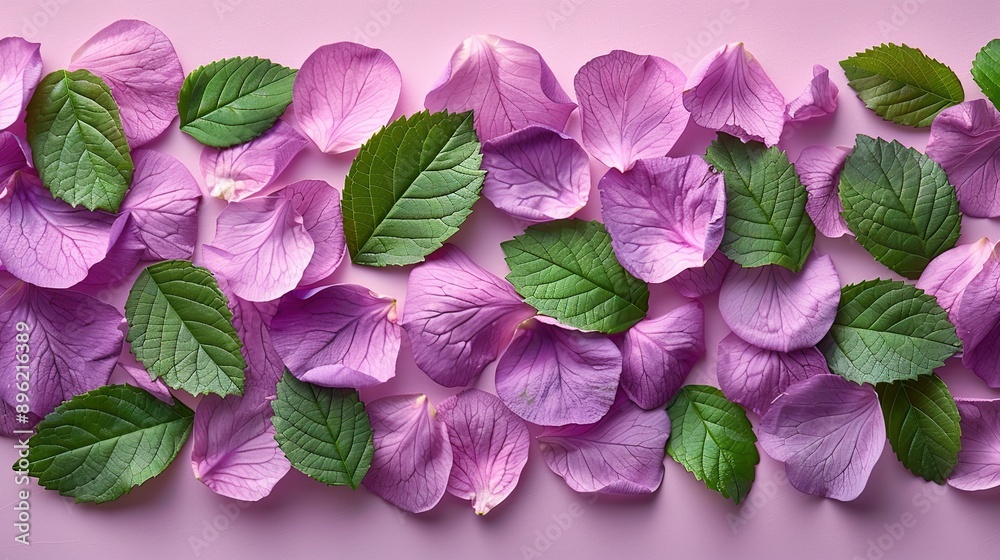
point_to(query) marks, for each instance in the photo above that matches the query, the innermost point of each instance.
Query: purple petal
(819, 169)
(413, 456)
(665, 215)
(73, 339)
(658, 354)
(234, 452)
(45, 241)
(505, 83)
(818, 100)
(621, 454)
(829, 432)
(777, 309)
(339, 336)
(12, 158)
(536, 174)
(730, 92)
(754, 377)
(264, 368)
(10, 424)
(949, 273)
(261, 248)
(344, 93)
(125, 253)
(979, 322)
(319, 205)
(162, 202)
(701, 281)
(244, 170)
(979, 459)
(139, 64)
(459, 317)
(20, 70)
(965, 140)
(490, 448)
(553, 376)
(630, 107)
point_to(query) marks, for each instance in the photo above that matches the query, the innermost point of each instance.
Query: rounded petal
(244, 170)
(489, 445)
(819, 169)
(505, 83)
(141, 67)
(630, 107)
(965, 140)
(12, 158)
(125, 253)
(829, 432)
(777, 309)
(253, 323)
(20, 70)
(163, 204)
(536, 174)
(978, 465)
(664, 215)
(978, 322)
(319, 205)
(343, 94)
(949, 273)
(704, 280)
(818, 100)
(553, 376)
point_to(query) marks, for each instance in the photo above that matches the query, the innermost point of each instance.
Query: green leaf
(922, 422)
(888, 331)
(324, 432)
(567, 269)
(77, 141)
(766, 220)
(713, 439)
(902, 84)
(234, 100)
(986, 71)
(180, 327)
(899, 204)
(410, 187)
(99, 445)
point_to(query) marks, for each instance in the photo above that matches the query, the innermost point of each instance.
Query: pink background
(172, 515)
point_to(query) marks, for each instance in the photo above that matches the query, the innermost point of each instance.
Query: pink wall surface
(176, 517)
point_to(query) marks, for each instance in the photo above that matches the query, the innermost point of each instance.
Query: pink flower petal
(162, 202)
(665, 215)
(704, 280)
(234, 452)
(965, 140)
(829, 432)
(630, 107)
(754, 377)
(413, 455)
(658, 354)
(979, 322)
(553, 376)
(124, 254)
(818, 100)
(505, 83)
(490, 448)
(819, 169)
(949, 273)
(536, 174)
(139, 64)
(20, 70)
(459, 317)
(319, 205)
(45, 241)
(730, 92)
(979, 459)
(344, 93)
(244, 170)
(339, 336)
(777, 309)
(621, 454)
(12, 158)
(264, 368)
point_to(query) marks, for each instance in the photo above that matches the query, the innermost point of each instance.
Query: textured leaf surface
(986, 71)
(77, 141)
(713, 439)
(181, 329)
(899, 204)
(410, 187)
(234, 100)
(902, 84)
(888, 331)
(99, 445)
(324, 432)
(568, 270)
(766, 221)
(922, 422)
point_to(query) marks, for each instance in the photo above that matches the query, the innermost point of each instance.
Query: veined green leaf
(986, 71)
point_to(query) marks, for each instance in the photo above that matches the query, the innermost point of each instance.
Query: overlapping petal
(819, 169)
(965, 140)
(978, 322)
(978, 465)
(245, 170)
(319, 205)
(704, 280)
(947, 276)
(818, 100)
(20, 71)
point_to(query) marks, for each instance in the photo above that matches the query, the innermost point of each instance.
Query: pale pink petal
(319, 205)
(665, 215)
(965, 140)
(978, 322)
(413, 455)
(777, 309)
(20, 70)
(818, 100)
(978, 465)
(630, 107)
(344, 93)
(244, 170)
(704, 280)
(505, 83)
(819, 169)
(949, 273)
